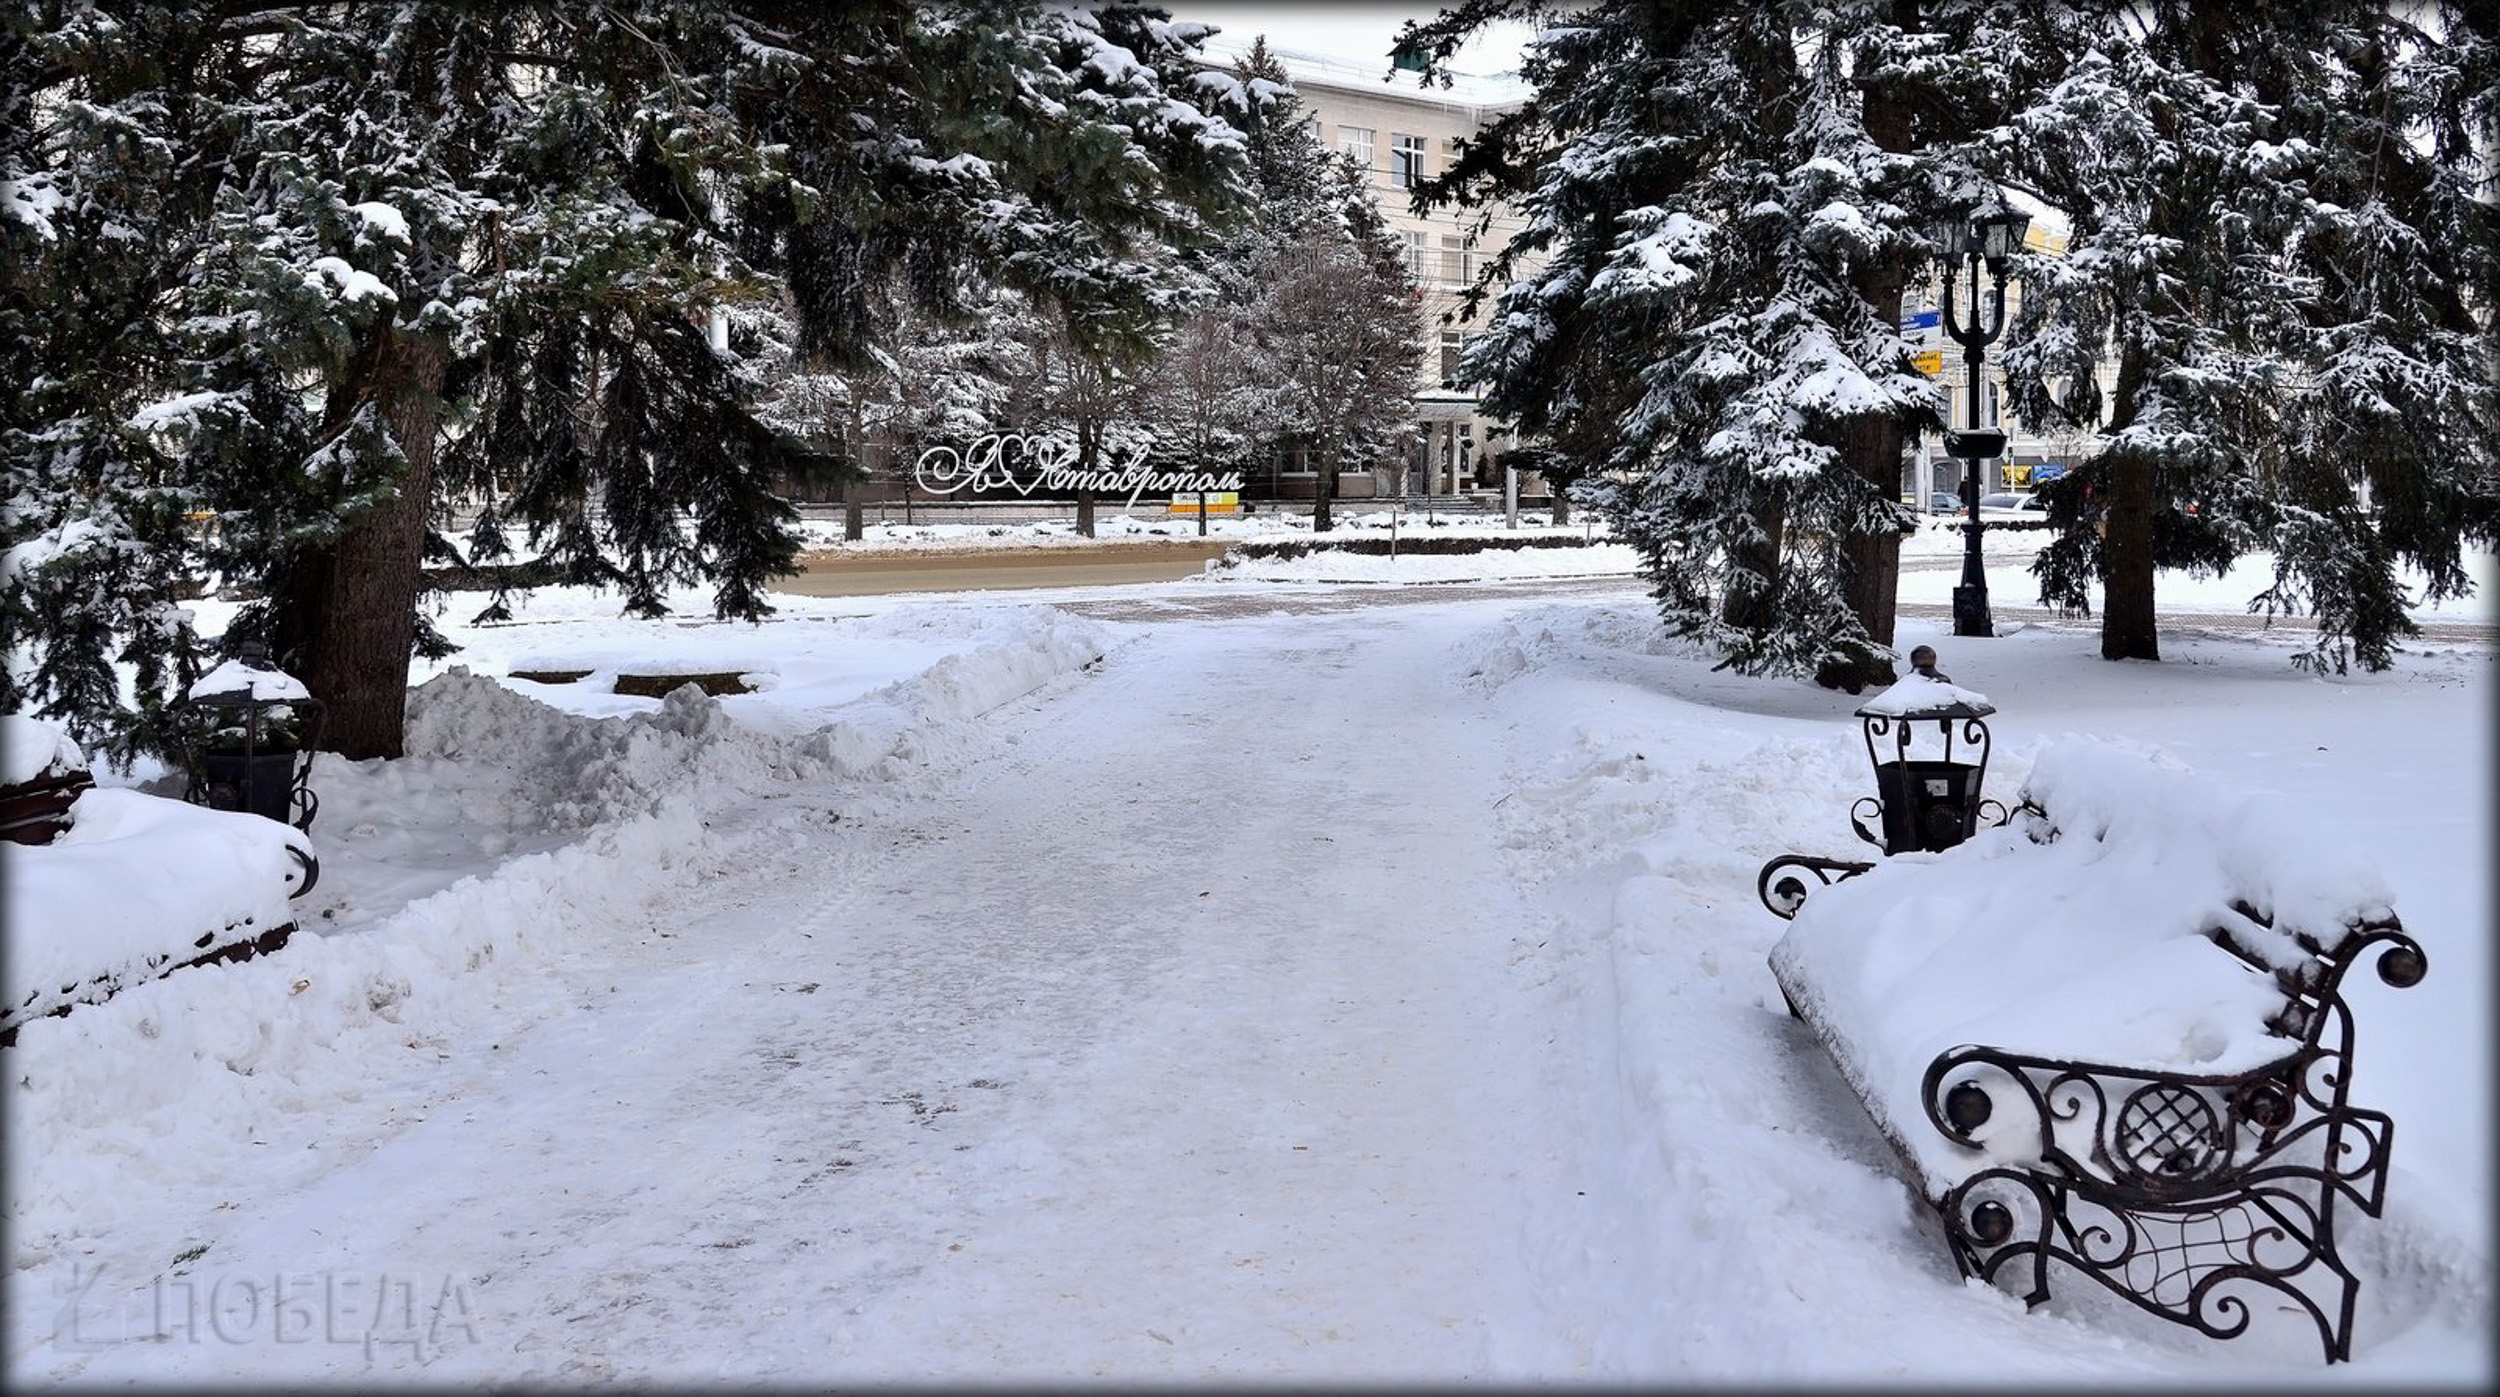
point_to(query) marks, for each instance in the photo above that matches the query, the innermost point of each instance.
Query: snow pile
(894, 726)
(136, 883)
(556, 770)
(220, 1057)
(2293, 869)
(32, 749)
(2083, 936)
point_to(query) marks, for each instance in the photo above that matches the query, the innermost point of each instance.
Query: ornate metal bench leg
(312, 871)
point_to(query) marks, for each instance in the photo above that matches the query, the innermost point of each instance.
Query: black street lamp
(1973, 238)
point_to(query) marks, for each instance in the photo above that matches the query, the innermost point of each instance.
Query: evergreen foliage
(1722, 205)
(2277, 235)
(2282, 240)
(281, 282)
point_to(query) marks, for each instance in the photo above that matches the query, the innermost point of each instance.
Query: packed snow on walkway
(998, 991)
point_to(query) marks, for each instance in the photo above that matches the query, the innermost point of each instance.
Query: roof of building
(1475, 92)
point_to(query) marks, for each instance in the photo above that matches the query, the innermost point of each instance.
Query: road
(1119, 565)
(985, 570)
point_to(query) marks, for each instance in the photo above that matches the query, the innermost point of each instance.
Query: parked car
(1943, 502)
(2013, 499)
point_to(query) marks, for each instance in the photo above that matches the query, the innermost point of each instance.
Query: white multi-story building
(1402, 133)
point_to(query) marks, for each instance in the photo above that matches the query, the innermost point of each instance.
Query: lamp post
(1972, 239)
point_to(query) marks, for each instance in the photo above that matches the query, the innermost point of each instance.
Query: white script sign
(1028, 461)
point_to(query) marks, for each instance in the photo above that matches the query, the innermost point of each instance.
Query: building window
(1406, 160)
(1988, 406)
(1450, 340)
(1356, 141)
(1458, 260)
(1416, 251)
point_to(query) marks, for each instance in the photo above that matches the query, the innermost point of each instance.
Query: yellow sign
(1218, 502)
(2017, 477)
(1929, 361)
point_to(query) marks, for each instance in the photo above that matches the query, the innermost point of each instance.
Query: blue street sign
(1920, 320)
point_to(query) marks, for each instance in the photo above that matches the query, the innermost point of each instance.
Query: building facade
(1400, 133)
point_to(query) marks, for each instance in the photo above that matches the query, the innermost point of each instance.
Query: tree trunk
(1088, 449)
(1870, 563)
(2129, 630)
(350, 610)
(1562, 498)
(854, 526)
(1323, 492)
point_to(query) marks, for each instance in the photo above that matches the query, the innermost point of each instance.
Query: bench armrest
(2165, 1138)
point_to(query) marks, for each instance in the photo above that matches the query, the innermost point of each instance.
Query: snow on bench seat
(2092, 947)
(2111, 1036)
(137, 885)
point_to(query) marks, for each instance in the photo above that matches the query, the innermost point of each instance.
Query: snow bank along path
(1115, 1051)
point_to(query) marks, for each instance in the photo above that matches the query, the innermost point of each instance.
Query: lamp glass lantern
(1999, 235)
(1924, 803)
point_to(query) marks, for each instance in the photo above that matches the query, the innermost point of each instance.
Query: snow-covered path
(1131, 1052)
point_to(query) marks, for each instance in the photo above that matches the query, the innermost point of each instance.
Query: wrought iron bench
(2192, 1194)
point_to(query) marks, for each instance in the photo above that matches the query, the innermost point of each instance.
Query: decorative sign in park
(1028, 461)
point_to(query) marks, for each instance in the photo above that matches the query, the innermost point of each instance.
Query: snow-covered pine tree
(98, 213)
(374, 254)
(1727, 201)
(2276, 238)
(1291, 188)
(2391, 451)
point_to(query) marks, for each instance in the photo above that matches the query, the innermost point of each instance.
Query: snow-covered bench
(131, 886)
(2113, 1035)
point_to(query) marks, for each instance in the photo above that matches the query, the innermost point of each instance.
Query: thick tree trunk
(1870, 565)
(2128, 627)
(1562, 499)
(854, 518)
(350, 611)
(2129, 630)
